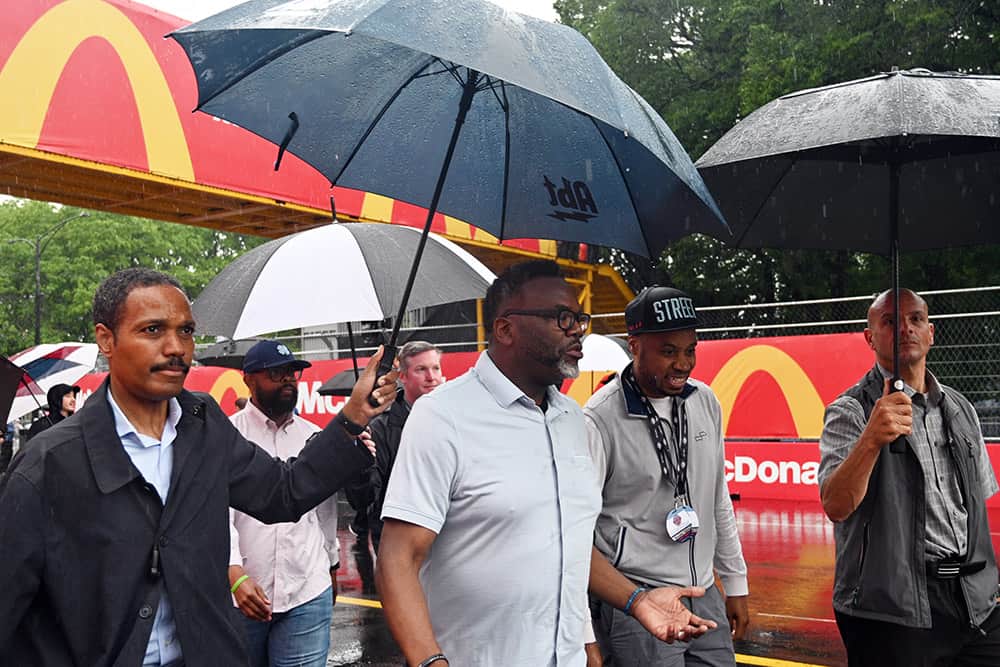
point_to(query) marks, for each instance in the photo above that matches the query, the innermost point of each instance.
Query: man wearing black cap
(62, 403)
(656, 439)
(283, 576)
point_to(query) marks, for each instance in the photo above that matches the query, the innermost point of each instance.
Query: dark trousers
(950, 641)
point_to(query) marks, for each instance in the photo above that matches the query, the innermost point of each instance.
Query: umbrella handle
(292, 129)
(384, 367)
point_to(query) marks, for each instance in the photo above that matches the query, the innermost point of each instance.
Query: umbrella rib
(505, 105)
(763, 202)
(378, 117)
(621, 173)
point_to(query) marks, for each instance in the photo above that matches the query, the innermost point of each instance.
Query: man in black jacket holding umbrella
(114, 534)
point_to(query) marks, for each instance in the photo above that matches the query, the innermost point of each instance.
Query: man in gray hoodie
(656, 438)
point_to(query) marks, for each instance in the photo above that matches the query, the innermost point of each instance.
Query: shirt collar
(124, 427)
(933, 393)
(261, 420)
(505, 392)
(633, 402)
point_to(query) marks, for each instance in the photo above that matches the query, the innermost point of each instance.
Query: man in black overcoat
(114, 524)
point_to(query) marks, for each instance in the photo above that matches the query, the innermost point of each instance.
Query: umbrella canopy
(226, 353)
(905, 160)
(912, 156)
(604, 353)
(340, 384)
(350, 272)
(553, 144)
(13, 382)
(50, 364)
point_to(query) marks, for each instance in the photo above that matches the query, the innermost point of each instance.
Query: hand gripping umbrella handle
(897, 446)
(384, 366)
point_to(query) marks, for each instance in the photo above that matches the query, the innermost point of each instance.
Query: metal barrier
(965, 355)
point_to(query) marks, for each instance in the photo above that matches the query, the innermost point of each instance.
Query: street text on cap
(673, 308)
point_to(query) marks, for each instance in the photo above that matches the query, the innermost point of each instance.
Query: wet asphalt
(789, 550)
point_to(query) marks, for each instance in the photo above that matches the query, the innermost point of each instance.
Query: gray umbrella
(377, 94)
(904, 160)
(349, 272)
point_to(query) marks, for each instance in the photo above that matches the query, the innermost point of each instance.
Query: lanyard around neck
(673, 460)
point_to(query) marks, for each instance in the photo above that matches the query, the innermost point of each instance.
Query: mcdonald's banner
(773, 392)
(95, 80)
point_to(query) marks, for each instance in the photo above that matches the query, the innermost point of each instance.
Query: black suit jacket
(86, 548)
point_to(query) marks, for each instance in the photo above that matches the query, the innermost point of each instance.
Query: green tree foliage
(77, 256)
(705, 64)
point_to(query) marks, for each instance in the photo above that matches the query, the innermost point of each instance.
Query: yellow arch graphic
(33, 70)
(803, 400)
(229, 379)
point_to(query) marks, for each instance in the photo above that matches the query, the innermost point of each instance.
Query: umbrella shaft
(468, 92)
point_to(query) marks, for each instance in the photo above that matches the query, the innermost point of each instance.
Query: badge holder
(682, 521)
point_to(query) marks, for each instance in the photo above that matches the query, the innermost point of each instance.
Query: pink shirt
(290, 561)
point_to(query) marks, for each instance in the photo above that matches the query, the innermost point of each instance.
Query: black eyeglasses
(565, 318)
(279, 373)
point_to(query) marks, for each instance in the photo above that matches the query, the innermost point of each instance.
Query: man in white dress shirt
(283, 575)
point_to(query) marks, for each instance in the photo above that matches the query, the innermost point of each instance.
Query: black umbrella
(510, 123)
(904, 160)
(15, 381)
(227, 353)
(340, 384)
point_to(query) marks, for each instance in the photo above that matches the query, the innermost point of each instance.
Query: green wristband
(237, 583)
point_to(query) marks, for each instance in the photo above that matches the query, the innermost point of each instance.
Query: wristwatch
(348, 425)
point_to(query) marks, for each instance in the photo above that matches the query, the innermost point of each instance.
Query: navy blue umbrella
(511, 123)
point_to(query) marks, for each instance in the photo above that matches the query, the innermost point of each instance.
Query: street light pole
(39, 248)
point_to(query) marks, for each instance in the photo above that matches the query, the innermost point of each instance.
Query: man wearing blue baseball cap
(283, 575)
(655, 436)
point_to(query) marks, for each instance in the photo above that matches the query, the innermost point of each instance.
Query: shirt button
(145, 611)
(164, 541)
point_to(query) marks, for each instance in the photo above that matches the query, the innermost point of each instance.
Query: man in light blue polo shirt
(489, 515)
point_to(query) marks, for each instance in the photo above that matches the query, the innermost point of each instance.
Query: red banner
(226, 384)
(95, 80)
(771, 390)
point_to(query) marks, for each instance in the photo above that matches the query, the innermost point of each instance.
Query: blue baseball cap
(270, 354)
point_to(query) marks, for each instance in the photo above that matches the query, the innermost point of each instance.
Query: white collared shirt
(512, 494)
(155, 461)
(290, 561)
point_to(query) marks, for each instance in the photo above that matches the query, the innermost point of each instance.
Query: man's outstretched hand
(662, 613)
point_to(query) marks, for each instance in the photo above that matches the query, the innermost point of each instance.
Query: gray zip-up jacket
(631, 529)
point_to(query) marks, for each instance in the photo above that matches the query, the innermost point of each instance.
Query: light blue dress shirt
(155, 461)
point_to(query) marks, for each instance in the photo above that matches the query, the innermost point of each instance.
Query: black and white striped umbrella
(347, 272)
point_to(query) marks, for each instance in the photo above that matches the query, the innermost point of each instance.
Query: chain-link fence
(965, 355)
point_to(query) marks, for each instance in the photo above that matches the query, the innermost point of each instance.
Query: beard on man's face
(554, 357)
(281, 400)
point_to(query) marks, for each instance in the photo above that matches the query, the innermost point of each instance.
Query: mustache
(173, 363)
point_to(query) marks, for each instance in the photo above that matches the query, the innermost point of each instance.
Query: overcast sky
(194, 10)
